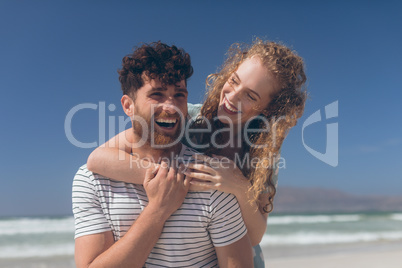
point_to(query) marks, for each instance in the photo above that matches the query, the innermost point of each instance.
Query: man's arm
(228, 232)
(166, 192)
(132, 250)
(238, 254)
(113, 159)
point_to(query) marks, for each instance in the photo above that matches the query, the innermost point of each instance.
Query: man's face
(160, 111)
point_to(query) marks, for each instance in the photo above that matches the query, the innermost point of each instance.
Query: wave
(305, 238)
(29, 250)
(36, 226)
(281, 220)
(396, 217)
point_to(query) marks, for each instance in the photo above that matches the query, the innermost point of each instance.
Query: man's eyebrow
(158, 89)
(237, 76)
(181, 89)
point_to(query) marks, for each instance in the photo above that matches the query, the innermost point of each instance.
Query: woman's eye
(251, 97)
(232, 81)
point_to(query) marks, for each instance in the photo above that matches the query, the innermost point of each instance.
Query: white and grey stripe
(205, 220)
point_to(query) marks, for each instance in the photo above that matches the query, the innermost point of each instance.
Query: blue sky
(55, 55)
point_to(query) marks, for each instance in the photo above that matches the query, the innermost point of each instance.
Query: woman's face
(247, 92)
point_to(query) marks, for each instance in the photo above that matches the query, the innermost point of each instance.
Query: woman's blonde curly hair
(286, 107)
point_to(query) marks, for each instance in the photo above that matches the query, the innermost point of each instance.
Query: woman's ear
(128, 105)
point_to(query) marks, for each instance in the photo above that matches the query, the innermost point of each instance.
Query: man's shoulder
(217, 196)
(84, 173)
(214, 198)
(90, 180)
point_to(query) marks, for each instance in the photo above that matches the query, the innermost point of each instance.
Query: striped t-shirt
(205, 220)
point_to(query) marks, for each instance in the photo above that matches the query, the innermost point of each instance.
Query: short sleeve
(226, 223)
(88, 214)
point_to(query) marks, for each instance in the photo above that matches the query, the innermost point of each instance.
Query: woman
(252, 103)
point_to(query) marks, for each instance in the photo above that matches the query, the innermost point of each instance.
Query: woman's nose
(233, 97)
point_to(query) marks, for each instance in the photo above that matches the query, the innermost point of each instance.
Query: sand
(40, 262)
(367, 255)
(391, 259)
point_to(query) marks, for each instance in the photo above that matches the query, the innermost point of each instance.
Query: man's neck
(155, 155)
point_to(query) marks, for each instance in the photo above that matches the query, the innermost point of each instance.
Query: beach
(334, 240)
(292, 240)
(356, 255)
(39, 262)
(367, 255)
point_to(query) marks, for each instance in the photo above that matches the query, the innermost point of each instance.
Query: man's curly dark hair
(156, 60)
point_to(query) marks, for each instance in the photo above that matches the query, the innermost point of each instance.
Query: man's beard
(154, 136)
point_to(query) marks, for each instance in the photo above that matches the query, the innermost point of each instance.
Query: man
(160, 223)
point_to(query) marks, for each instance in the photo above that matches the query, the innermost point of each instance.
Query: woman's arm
(223, 175)
(114, 160)
(255, 220)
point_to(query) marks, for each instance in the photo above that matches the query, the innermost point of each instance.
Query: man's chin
(160, 139)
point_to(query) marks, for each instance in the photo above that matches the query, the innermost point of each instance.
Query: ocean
(28, 237)
(53, 237)
(322, 229)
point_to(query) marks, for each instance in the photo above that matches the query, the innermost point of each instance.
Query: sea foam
(29, 250)
(36, 226)
(309, 238)
(280, 220)
(396, 216)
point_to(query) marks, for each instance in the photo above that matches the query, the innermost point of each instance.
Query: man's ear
(128, 105)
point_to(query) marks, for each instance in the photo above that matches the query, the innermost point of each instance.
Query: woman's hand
(165, 188)
(218, 173)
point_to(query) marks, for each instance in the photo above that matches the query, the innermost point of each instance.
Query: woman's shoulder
(193, 109)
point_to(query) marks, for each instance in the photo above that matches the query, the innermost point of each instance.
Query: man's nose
(170, 105)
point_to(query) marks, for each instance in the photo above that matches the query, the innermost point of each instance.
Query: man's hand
(166, 191)
(165, 188)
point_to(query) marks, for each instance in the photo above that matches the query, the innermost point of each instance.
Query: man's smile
(166, 123)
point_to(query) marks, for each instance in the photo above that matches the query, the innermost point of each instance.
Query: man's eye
(180, 95)
(156, 94)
